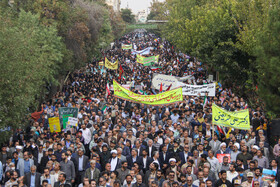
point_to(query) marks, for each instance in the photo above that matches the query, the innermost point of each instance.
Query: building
(115, 4)
(142, 16)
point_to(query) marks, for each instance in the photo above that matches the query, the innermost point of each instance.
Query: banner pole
(213, 130)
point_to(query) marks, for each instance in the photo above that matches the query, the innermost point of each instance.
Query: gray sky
(137, 5)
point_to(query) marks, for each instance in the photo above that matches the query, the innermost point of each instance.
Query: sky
(137, 5)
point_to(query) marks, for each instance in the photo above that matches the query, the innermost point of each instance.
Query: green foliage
(30, 55)
(238, 38)
(268, 60)
(158, 11)
(127, 15)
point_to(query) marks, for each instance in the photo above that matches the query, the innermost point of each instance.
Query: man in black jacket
(32, 178)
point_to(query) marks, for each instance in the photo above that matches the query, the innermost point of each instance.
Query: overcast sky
(136, 5)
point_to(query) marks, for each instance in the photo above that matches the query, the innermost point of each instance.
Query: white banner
(165, 80)
(145, 51)
(197, 90)
(72, 121)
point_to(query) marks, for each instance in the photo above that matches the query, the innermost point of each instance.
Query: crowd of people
(136, 145)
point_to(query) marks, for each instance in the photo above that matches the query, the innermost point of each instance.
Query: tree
(158, 11)
(127, 15)
(268, 60)
(30, 55)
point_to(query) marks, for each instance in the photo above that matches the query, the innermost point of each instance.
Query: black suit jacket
(85, 162)
(162, 160)
(149, 160)
(153, 150)
(44, 161)
(130, 162)
(57, 184)
(119, 163)
(27, 179)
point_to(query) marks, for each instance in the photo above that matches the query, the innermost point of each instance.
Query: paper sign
(65, 119)
(54, 124)
(73, 121)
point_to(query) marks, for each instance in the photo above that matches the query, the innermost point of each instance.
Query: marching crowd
(136, 145)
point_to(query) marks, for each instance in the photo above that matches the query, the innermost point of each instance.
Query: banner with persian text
(164, 98)
(237, 120)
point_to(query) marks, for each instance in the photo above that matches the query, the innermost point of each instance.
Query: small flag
(141, 92)
(104, 109)
(120, 72)
(205, 102)
(160, 90)
(107, 90)
(220, 129)
(227, 136)
(169, 87)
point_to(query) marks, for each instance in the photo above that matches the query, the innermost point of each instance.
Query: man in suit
(151, 172)
(184, 154)
(61, 180)
(32, 178)
(215, 143)
(134, 158)
(45, 159)
(164, 157)
(92, 173)
(139, 147)
(25, 164)
(151, 149)
(114, 161)
(81, 161)
(146, 160)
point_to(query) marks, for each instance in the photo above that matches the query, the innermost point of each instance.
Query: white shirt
(40, 155)
(114, 162)
(81, 163)
(144, 161)
(231, 175)
(214, 163)
(87, 135)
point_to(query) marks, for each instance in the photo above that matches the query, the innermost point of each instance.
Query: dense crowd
(136, 145)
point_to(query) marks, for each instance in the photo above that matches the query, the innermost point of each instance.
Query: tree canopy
(237, 38)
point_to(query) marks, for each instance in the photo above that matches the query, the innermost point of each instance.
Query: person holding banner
(128, 109)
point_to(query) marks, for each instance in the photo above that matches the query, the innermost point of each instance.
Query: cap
(18, 147)
(250, 174)
(256, 147)
(237, 181)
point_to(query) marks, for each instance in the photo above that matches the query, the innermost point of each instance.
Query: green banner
(65, 119)
(126, 47)
(66, 111)
(238, 120)
(147, 61)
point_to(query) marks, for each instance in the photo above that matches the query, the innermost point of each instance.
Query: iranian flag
(104, 109)
(107, 90)
(205, 102)
(154, 68)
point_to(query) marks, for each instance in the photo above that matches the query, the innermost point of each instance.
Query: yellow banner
(110, 65)
(101, 63)
(54, 124)
(237, 120)
(164, 98)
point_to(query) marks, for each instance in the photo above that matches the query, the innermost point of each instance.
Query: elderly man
(114, 161)
(32, 178)
(92, 173)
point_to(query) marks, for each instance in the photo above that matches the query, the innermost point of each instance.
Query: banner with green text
(147, 61)
(238, 120)
(126, 46)
(164, 98)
